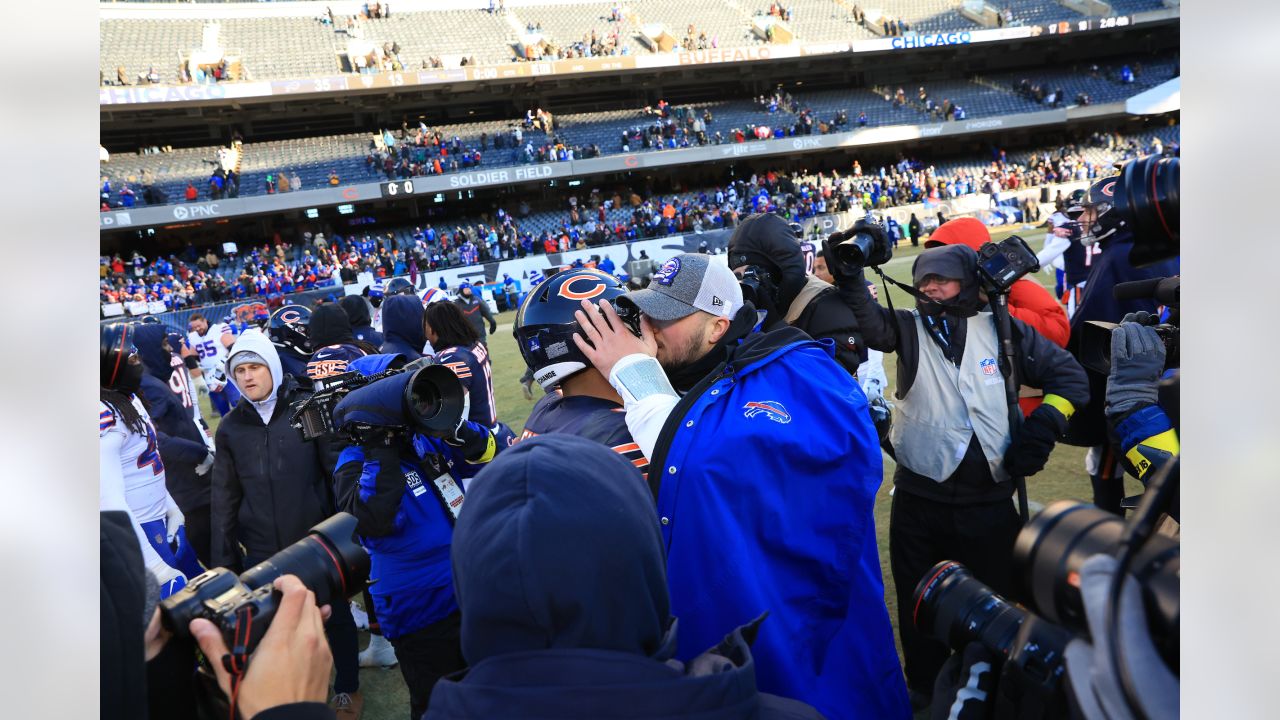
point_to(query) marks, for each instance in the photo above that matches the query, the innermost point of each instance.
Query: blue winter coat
(765, 477)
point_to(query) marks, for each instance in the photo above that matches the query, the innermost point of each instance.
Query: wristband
(638, 376)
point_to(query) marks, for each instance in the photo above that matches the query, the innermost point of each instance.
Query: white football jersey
(209, 346)
(140, 463)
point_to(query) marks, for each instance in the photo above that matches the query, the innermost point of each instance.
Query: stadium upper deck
(265, 50)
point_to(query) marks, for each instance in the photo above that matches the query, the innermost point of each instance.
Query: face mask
(130, 379)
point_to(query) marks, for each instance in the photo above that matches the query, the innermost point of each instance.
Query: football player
(287, 329)
(210, 343)
(461, 350)
(132, 476)
(578, 399)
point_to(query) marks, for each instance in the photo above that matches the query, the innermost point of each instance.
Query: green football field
(384, 691)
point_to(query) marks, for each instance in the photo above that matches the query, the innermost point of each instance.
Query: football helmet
(287, 328)
(545, 323)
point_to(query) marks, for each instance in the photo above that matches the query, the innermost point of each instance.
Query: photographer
(406, 500)
(1028, 300)
(357, 310)
(270, 487)
(767, 243)
(146, 673)
(952, 437)
(333, 344)
(764, 473)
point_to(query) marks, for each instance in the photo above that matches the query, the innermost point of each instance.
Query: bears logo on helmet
(545, 322)
(287, 328)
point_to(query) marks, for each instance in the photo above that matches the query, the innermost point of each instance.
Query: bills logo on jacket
(667, 273)
(770, 409)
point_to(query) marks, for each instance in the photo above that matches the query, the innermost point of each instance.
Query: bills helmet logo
(667, 273)
(989, 367)
(769, 408)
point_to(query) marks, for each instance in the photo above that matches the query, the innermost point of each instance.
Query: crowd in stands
(602, 217)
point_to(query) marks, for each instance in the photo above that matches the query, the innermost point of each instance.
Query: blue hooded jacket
(558, 566)
(164, 387)
(402, 326)
(765, 476)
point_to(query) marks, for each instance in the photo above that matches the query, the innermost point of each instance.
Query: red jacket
(1029, 301)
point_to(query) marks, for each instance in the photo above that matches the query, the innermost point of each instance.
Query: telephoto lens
(1050, 550)
(953, 606)
(330, 561)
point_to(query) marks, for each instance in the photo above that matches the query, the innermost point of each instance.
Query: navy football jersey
(1077, 260)
(810, 253)
(593, 418)
(471, 365)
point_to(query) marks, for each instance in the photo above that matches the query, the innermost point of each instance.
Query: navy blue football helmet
(398, 286)
(545, 325)
(287, 328)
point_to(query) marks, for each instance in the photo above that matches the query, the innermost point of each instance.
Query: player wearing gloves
(185, 447)
(406, 498)
(270, 487)
(132, 476)
(764, 464)
(210, 343)
(951, 434)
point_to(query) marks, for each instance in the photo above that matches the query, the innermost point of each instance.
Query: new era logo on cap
(687, 283)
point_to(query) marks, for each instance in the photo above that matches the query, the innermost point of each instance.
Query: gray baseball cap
(687, 283)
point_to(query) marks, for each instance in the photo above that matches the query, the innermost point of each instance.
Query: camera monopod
(1008, 368)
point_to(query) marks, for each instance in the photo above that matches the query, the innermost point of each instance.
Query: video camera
(1095, 335)
(955, 608)
(427, 399)
(329, 561)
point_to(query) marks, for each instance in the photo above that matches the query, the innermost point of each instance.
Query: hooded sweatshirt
(559, 572)
(179, 439)
(402, 326)
(269, 485)
(332, 340)
(253, 341)
(357, 309)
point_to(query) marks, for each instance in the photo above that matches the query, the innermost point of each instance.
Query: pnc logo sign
(184, 212)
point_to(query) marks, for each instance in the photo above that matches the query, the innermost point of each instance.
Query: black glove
(493, 327)
(958, 683)
(843, 272)
(1030, 450)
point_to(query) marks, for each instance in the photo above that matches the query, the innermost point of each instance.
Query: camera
(1095, 335)
(329, 561)
(750, 283)
(424, 398)
(1001, 264)
(313, 416)
(429, 400)
(855, 249)
(955, 608)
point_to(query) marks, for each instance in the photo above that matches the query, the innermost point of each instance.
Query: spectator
(333, 178)
(605, 602)
(796, 397)
(271, 487)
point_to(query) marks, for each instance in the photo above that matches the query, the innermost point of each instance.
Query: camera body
(313, 417)
(329, 561)
(750, 282)
(1095, 345)
(1002, 264)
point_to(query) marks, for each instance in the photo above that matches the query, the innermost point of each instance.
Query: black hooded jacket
(357, 309)
(559, 573)
(800, 299)
(177, 437)
(329, 326)
(402, 326)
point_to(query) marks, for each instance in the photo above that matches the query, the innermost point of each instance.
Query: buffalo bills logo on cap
(667, 273)
(769, 408)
